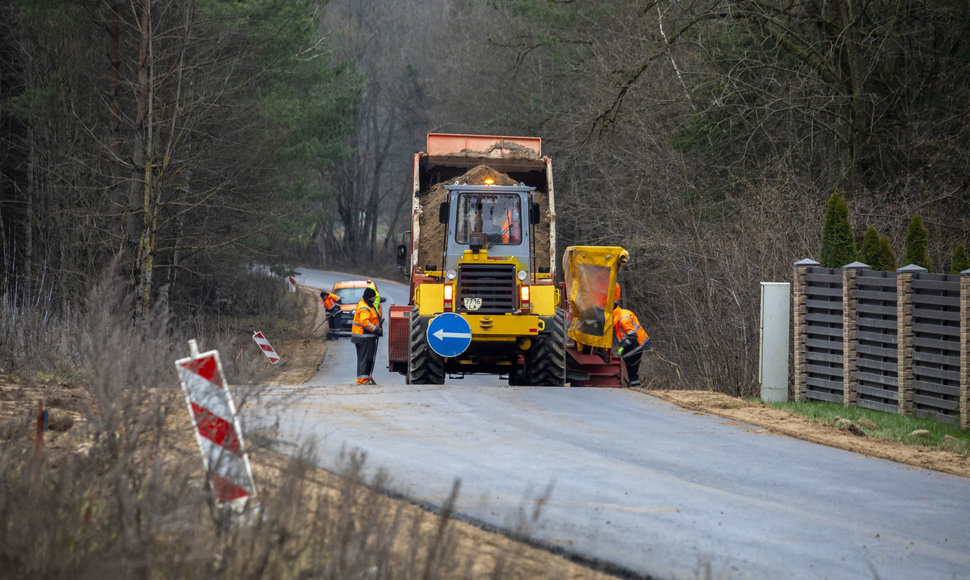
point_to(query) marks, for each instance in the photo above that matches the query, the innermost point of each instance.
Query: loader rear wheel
(425, 367)
(545, 364)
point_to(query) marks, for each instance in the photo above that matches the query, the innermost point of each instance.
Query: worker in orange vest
(511, 230)
(364, 334)
(631, 340)
(331, 303)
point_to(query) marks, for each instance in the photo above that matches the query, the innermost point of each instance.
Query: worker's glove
(627, 344)
(648, 344)
(380, 331)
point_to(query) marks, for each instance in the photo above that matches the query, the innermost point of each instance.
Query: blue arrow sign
(449, 334)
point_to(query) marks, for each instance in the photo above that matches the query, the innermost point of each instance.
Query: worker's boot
(371, 381)
(634, 383)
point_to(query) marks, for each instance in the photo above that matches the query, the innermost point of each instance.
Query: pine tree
(838, 243)
(869, 253)
(917, 242)
(877, 252)
(887, 257)
(960, 261)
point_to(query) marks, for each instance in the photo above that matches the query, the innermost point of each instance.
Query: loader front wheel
(545, 364)
(425, 367)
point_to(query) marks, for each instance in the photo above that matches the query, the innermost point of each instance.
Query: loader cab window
(490, 219)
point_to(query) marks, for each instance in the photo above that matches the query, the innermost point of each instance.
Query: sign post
(217, 429)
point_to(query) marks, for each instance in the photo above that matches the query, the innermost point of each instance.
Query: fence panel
(936, 346)
(823, 334)
(876, 354)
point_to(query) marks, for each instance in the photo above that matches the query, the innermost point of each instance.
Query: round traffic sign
(449, 334)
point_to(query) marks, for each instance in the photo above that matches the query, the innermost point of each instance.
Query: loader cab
(492, 218)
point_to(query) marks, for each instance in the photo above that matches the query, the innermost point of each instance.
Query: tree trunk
(141, 189)
(116, 166)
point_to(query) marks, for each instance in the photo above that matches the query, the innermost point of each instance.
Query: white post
(773, 367)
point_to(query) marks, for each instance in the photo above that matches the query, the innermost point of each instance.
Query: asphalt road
(627, 479)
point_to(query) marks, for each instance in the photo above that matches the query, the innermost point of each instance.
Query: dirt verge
(777, 422)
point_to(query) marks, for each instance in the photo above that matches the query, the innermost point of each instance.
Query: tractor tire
(545, 364)
(425, 367)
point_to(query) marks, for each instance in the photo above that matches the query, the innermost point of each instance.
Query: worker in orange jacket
(511, 230)
(366, 330)
(331, 303)
(631, 340)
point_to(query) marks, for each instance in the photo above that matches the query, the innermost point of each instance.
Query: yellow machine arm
(590, 276)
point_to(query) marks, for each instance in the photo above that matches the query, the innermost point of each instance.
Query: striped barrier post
(217, 429)
(267, 348)
(292, 284)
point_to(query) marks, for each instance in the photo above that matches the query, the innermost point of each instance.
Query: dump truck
(481, 260)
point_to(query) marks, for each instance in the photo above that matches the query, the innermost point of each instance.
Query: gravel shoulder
(764, 419)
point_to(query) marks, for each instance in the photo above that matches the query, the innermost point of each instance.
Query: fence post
(799, 375)
(965, 349)
(904, 336)
(850, 375)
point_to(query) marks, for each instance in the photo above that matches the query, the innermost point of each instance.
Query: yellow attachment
(503, 325)
(429, 298)
(545, 300)
(590, 276)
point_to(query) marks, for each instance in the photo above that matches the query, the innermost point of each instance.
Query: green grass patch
(888, 425)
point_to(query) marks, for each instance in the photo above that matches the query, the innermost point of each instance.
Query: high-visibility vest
(377, 303)
(626, 322)
(511, 229)
(330, 300)
(366, 320)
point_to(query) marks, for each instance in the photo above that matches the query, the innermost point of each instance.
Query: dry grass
(121, 493)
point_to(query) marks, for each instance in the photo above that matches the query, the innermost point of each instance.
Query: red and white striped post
(267, 348)
(292, 283)
(217, 429)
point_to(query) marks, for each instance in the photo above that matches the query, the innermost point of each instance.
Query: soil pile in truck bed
(431, 244)
(504, 149)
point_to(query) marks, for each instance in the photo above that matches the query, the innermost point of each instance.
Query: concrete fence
(892, 341)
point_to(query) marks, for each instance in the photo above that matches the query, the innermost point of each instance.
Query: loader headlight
(451, 274)
(523, 275)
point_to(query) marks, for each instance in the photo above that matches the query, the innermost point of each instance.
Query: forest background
(184, 141)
